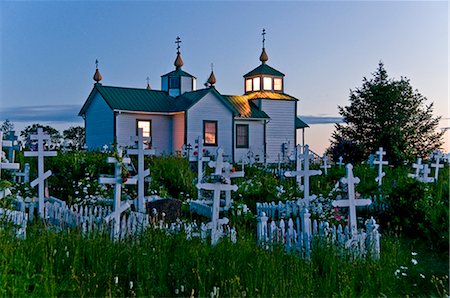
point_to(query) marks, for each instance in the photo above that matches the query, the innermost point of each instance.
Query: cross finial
(148, 80)
(264, 37)
(178, 41)
(96, 63)
(212, 66)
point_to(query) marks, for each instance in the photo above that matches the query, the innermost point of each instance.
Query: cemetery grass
(156, 264)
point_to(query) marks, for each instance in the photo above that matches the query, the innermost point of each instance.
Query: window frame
(216, 128)
(178, 79)
(281, 84)
(150, 127)
(247, 136)
(268, 79)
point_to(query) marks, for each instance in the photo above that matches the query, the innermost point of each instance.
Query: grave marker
(306, 173)
(10, 165)
(380, 164)
(352, 202)
(437, 165)
(200, 159)
(117, 181)
(142, 172)
(418, 166)
(325, 166)
(340, 161)
(40, 153)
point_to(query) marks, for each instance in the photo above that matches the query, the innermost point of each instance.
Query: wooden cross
(230, 175)
(264, 37)
(340, 161)
(437, 166)
(380, 164)
(352, 202)
(425, 172)
(142, 172)
(178, 41)
(418, 166)
(117, 181)
(10, 165)
(105, 148)
(14, 145)
(40, 153)
(306, 173)
(325, 166)
(200, 159)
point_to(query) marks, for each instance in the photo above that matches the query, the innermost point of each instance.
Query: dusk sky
(48, 51)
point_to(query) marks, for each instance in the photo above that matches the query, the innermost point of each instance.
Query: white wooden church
(262, 122)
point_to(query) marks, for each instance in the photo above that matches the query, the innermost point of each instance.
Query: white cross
(40, 137)
(306, 173)
(230, 175)
(215, 222)
(219, 164)
(6, 165)
(352, 202)
(142, 172)
(200, 159)
(437, 166)
(340, 161)
(117, 180)
(325, 166)
(380, 164)
(424, 177)
(418, 166)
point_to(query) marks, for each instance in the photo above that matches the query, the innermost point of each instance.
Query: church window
(241, 135)
(174, 83)
(267, 83)
(277, 84)
(248, 85)
(146, 126)
(256, 84)
(210, 133)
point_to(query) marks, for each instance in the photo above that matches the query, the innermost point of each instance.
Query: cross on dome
(263, 58)
(97, 76)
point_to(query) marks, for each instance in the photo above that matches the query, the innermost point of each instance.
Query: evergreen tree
(388, 113)
(75, 136)
(55, 136)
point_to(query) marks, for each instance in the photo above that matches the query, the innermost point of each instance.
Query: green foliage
(67, 264)
(75, 136)
(172, 174)
(6, 127)
(388, 113)
(55, 136)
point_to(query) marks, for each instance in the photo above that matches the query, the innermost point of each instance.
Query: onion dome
(97, 76)
(263, 58)
(178, 61)
(212, 79)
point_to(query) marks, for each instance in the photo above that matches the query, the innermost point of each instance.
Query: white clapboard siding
(99, 124)
(256, 140)
(187, 84)
(211, 108)
(178, 132)
(161, 130)
(281, 127)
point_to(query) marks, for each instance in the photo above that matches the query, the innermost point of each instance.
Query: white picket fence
(18, 219)
(297, 235)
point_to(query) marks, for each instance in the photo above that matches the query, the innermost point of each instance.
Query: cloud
(321, 119)
(47, 113)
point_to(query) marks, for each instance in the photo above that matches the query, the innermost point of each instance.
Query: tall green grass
(156, 264)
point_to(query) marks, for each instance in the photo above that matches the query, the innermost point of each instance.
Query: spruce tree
(387, 113)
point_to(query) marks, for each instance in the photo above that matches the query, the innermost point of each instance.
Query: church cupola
(212, 78)
(178, 81)
(264, 77)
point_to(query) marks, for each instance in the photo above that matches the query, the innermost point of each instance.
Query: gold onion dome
(263, 58)
(97, 76)
(212, 79)
(178, 62)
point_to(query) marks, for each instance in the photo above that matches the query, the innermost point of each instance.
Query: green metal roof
(299, 123)
(188, 99)
(132, 99)
(245, 107)
(269, 95)
(178, 73)
(264, 69)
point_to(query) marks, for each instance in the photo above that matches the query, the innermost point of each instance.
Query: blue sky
(48, 50)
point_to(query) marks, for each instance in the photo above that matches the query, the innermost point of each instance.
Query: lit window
(174, 82)
(248, 85)
(267, 82)
(241, 135)
(256, 84)
(146, 126)
(210, 133)
(277, 84)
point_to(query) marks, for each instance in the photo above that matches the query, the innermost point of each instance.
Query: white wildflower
(182, 288)
(413, 253)
(421, 275)
(116, 280)
(414, 261)
(131, 285)
(177, 291)
(404, 274)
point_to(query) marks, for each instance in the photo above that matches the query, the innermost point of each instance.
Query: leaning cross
(380, 164)
(418, 166)
(117, 181)
(352, 202)
(306, 173)
(6, 165)
(325, 166)
(40, 137)
(437, 166)
(142, 172)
